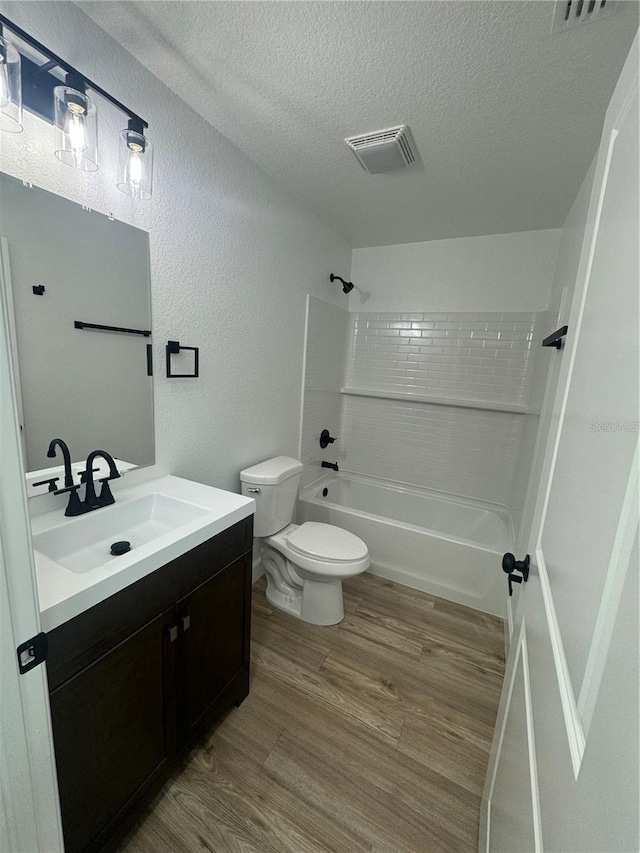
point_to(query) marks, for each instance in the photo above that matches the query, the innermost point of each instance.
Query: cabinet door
(213, 647)
(112, 726)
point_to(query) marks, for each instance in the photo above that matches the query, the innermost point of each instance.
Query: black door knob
(511, 565)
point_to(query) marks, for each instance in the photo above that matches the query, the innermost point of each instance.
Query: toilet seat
(307, 564)
(327, 543)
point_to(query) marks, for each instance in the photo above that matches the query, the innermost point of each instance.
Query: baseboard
(257, 570)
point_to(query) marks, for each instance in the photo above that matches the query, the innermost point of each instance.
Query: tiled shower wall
(326, 347)
(478, 358)
(466, 358)
(469, 356)
(466, 452)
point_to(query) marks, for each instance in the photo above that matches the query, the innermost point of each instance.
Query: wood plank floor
(371, 736)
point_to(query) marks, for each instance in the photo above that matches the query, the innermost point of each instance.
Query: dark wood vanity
(136, 679)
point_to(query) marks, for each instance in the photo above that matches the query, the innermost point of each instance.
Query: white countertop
(64, 594)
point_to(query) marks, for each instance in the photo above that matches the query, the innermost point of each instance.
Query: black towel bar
(555, 340)
(80, 324)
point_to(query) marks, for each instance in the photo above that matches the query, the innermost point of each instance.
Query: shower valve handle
(325, 439)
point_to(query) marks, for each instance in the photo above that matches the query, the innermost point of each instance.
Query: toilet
(305, 563)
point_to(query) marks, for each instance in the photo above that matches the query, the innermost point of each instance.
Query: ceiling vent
(384, 150)
(568, 14)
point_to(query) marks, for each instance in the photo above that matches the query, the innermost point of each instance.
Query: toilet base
(313, 601)
(287, 603)
(322, 602)
(318, 603)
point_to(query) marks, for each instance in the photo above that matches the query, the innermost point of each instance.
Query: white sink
(87, 544)
(161, 520)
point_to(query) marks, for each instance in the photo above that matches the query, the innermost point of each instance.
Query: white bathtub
(446, 546)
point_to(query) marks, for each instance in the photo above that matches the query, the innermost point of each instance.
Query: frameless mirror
(77, 296)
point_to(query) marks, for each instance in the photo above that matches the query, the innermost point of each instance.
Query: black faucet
(332, 465)
(105, 498)
(90, 502)
(51, 452)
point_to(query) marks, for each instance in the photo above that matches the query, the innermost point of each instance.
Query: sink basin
(87, 544)
(162, 519)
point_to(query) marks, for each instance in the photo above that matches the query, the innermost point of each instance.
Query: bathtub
(446, 546)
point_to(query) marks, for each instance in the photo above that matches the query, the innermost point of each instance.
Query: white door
(29, 809)
(563, 774)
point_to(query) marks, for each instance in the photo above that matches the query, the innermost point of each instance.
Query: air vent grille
(384, 150)
(568, 14)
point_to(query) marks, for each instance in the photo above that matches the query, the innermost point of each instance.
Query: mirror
(61, 265)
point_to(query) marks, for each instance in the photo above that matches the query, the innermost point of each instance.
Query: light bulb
(76, 121)
(75, 130)
(5, 98)
(136, 162)
(134, 172)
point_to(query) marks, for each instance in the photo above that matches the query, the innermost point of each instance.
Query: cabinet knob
(186, 622)
(173, 633)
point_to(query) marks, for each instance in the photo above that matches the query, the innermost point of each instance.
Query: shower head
(347, 286)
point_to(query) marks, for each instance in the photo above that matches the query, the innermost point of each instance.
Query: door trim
(572, 721)
(617, 569)
(519, 651)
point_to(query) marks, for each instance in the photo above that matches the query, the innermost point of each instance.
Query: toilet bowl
(305, 564)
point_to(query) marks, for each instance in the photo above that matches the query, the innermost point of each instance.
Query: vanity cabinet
(134, 680)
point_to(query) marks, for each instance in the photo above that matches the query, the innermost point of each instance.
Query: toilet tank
(274, 485)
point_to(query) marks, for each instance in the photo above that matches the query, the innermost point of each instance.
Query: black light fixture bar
(54, 61)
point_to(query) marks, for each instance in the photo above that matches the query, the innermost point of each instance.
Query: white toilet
(305, 563)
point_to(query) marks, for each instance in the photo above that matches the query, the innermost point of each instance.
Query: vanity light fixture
(135, 171)
(10, 87)
(76, 120)
(34, 77)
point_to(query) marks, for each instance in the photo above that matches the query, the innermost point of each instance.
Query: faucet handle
(51, 483)
(66, 489)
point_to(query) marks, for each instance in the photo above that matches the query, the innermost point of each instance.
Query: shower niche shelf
(433, 400)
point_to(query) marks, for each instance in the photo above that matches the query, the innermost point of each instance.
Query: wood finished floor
(371, 736)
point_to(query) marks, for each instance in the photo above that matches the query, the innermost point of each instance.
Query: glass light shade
(10, 88)
(76, 121)
(135, 170)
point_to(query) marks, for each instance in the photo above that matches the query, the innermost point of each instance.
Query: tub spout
(332, 465)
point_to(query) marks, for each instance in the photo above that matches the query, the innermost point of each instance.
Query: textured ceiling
(505, 115)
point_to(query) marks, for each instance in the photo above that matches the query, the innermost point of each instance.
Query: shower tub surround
(438, 400)
(436, 415)
(326, 340)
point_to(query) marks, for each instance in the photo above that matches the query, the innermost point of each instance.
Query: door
(213, 645)
(112, 725)
(563, 774)
(29, 809)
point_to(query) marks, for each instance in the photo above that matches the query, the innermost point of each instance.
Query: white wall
(232, 257)
(500, 272)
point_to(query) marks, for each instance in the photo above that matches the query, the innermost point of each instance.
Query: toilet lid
(326, 542)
